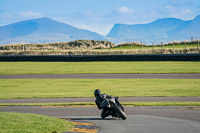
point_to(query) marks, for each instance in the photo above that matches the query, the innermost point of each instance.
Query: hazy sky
(97, 15)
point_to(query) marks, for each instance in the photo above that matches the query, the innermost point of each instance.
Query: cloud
(126, 15)
(30, 14)
(185, 9)
(125, 9)
(178, 12)
(102, 29)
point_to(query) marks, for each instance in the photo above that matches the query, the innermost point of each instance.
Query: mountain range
(45, 30)
(161, 30)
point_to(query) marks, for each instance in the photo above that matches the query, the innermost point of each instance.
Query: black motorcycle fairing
(110, 107)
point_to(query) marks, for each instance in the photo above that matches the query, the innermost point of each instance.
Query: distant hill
(43, 30)
(166, 29)
(187, 29)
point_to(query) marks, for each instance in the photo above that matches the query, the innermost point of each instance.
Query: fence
(82, 58)
(122, 49)
(102, 52)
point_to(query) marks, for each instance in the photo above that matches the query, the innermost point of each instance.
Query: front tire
(120, 112)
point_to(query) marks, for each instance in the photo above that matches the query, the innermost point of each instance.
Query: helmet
(97, 92)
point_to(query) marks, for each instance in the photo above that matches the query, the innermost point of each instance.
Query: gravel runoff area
(101, 76)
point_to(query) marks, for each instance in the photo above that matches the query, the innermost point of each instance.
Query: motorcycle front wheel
(120, 112)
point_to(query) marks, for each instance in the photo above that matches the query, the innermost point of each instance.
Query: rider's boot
(105, 113)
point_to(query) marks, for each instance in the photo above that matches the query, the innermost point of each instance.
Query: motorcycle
(113, 109)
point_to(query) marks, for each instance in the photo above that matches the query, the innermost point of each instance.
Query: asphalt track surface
(101, 76)
(139, 119)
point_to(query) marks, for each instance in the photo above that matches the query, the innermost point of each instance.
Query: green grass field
(97, 67)
(169, 46)
(45, 88)
(31, 123)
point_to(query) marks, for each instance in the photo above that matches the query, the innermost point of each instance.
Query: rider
(100, 98)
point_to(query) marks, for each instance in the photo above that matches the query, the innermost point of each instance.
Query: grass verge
(97, 67)
(88, 104)
(45, 88)
(31, 123)
(53, 88)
